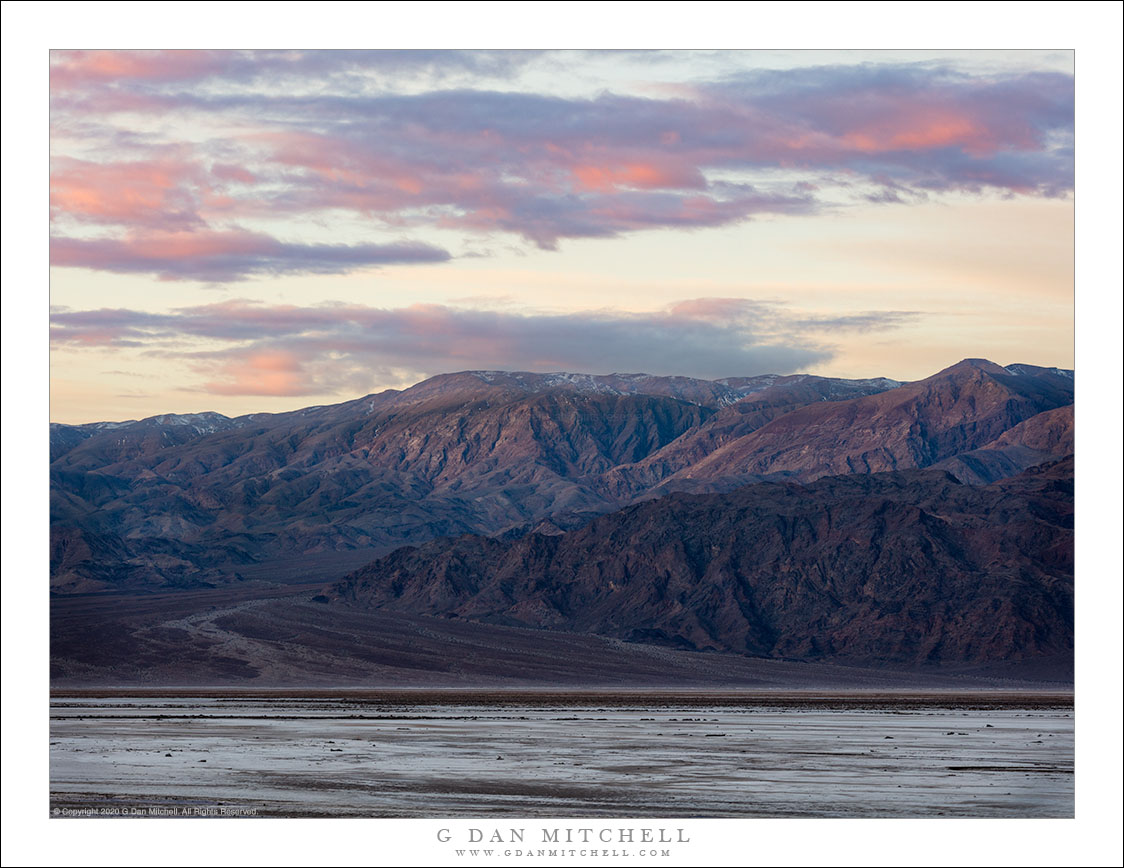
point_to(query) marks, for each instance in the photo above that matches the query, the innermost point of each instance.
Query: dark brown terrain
(900, 568)
(259, 636)
(187, 549)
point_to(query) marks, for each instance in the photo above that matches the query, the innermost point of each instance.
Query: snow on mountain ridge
(1031, 370)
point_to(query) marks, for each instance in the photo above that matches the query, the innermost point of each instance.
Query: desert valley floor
(549, 754)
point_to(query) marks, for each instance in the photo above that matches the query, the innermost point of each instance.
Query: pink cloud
(641, 175)
(267, 372)
(541, 167)
(236, 174)
(153, 193)
(711, 308)
(74, 69)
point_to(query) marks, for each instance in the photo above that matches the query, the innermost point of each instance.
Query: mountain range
(189, 500)
(864, 523)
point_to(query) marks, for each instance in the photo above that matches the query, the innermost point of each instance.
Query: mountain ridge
(901, 568)
(176, 500)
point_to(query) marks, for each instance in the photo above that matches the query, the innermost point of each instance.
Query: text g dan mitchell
(576, 835)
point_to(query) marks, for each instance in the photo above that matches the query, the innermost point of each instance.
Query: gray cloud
(332, 347)
(230, 256)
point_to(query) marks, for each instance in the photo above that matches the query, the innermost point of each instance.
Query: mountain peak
(966, 365)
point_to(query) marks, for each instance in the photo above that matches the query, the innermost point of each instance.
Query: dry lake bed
(539, 754)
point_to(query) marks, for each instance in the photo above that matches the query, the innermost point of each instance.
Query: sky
(244, 231)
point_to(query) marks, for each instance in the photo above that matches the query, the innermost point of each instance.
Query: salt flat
(555, 755)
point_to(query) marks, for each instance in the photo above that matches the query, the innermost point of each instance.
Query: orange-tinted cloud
(137, 193)
(75, 69)
(542, 167)
(265, 372)
(651, 176)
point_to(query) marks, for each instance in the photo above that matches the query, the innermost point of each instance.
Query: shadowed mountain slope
(894, 569)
